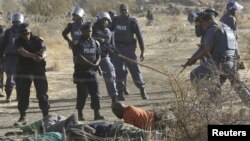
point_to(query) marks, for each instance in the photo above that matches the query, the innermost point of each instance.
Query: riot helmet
(78, 11)
(233, 6)
(102, 15)
(17, 17)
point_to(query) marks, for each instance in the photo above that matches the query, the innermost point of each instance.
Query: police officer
(113, 14)
(229, 17)
(200, 32)
(106, 40)
(31, 67)
(74, 28)
(9, 52)
(125, 27)
(87, 58)
(221, 44)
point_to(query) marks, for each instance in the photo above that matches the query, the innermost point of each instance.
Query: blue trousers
(227, 70)
(23, 85)
(121, 65)
(109, 76)
(87, 83)
(10, 64)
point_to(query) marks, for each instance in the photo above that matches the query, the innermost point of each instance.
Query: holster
(241, 65)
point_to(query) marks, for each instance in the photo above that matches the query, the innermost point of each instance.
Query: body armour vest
(13, 35)
(88, 49)
(107, 36)
(123, 31)
(225, 42)
(76, 32)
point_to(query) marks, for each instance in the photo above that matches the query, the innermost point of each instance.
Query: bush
(48, 8)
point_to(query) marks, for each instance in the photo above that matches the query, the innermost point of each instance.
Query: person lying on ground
(147, 120)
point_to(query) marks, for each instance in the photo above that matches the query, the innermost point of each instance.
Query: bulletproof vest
(76, 32)
(107, 36)
(13, 35)
(225, 42)
(123, 32)
(88, 50)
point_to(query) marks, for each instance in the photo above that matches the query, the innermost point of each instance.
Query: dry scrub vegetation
(192, 112)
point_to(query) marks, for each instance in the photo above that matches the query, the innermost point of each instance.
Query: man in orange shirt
(136, 116)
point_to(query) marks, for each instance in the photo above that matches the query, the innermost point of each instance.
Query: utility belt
(125, 43)
(223, 58)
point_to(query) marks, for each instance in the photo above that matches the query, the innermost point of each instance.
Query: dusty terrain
(168, 44)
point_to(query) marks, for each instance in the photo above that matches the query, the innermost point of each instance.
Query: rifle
(184, 67)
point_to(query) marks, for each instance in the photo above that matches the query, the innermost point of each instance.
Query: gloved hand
(70, 43)
(190, 62)
(142, 56)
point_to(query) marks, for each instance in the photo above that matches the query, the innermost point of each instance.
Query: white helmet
(233, 6)
(17, 17)
(102, 15)
(78, 11)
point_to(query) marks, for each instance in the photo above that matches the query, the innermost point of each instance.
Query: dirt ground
(168, 44)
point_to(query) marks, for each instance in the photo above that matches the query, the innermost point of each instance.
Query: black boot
(143, 94)
(126, 92)
(120, 96)
(8, 100)
(97, 115)
(22, 120)
(80, 116)
(114, 99)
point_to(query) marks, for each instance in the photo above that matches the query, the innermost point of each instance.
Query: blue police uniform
(10, 58)
(105, 64)
(86, 78)
(29, 70)
(124, 30)
(75, 31)
(202, 72)
(230, 20)
(221, 39)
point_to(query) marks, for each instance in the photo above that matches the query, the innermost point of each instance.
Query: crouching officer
(106, 40)
(88, 57)
(220, 43)
(31, 67)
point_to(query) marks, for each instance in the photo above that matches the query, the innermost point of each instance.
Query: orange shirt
(138, 117)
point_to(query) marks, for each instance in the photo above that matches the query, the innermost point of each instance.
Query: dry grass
(168, 44)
